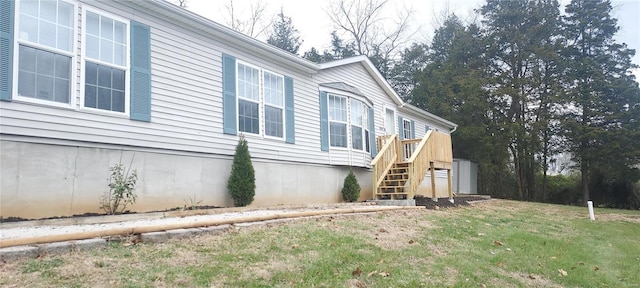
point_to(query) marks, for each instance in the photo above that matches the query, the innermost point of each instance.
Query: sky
(315, 27)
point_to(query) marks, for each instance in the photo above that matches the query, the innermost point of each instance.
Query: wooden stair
(394, 183)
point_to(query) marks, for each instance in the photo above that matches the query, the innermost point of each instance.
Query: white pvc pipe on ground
(592, 216)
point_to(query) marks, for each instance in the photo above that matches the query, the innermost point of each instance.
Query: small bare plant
(122, 185)
(192, 204)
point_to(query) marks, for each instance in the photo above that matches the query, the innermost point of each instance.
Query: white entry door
(390, 121)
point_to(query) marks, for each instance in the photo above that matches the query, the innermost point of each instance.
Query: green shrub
(121, 190)
(351, 188)
(242, 181)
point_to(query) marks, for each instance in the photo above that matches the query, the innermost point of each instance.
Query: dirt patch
(445, 203)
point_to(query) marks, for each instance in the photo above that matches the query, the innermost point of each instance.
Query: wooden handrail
(434, 147)
(383, 162)
(418, 164)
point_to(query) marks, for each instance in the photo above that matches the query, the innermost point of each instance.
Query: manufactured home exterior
(85, 85)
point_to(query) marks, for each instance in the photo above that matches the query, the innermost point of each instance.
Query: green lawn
(494, 244)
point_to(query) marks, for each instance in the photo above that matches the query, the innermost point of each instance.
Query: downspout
(454, 129)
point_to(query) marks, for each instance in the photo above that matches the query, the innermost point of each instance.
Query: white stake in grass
(591, 215)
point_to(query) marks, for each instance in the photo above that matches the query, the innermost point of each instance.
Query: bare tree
(373, 34)
(254, 24)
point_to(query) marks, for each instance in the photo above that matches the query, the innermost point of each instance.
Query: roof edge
(251, 42)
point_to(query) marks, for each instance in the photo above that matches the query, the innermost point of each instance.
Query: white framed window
(45, 46)
(273, 105)
(337, 121)
(406, 129)
(359, 125)
(248, 99)
(105, 62)
(261, 103)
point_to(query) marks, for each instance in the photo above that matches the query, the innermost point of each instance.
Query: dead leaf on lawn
(381, 261)
(508, 249)
(498, 243)
(372, 273)
(480, 234)
(356, 272)
(294, 246)
(596, 268)
(382, 230)
(532, 277)
(384, 274)
(410, 241)
(562, 272)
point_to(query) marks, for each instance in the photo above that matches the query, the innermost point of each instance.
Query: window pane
(91, 73)
(356, 137)
(65, 38)
(118, 79)
(248, 117)
(61, 90)
(118, 101)
(48, 10)
(273, 121)
(106, 51)
(93, 47)
(337, 108)
(62, 66)
(104, 76)
(93, 24)
(367, 141)
(44, 87)
(111, 87)
(43, 75)
(47, 34)
(104, 98)
(28, 28)
(29, 8)
(65, 14)
(119, 53)
(27, 84)
(106, 28)
(44, 62)
(338, 134)
(27, 58)
(90, 96)
(119, 33)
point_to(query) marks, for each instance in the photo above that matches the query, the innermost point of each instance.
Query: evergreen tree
(242, 181)
(284, 35)
(602, 107)
(518, 34)
(339, 50)
(351, 188)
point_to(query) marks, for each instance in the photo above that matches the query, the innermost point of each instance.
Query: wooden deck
(401, 165)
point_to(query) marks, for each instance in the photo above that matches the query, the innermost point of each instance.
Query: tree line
(528, 82)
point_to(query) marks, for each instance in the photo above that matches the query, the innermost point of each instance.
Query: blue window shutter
(401, 127)
(289, 115)
(6, 49)
(140, 72)
(413, 129)
(324, 122)
(229, 116)
(372, 134)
